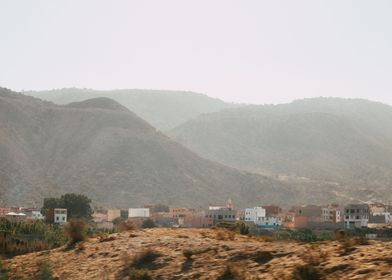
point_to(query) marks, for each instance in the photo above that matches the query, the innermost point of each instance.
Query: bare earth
(105, 260)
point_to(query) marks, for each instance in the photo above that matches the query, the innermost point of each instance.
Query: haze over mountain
(162, 108)
(100, 148)
(340, 140)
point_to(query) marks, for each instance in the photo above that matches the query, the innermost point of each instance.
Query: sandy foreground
(213, 251)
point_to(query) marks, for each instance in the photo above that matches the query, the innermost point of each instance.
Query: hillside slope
(99, 148)
(330, 139)
(163, 109)
(250, 257)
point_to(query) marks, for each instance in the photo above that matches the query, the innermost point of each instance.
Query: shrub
(139, 274)
(134, 267)
(45, 271)
(148, 223)
(242, 228)
(188, 253)
(231, 273)
(307, 272)
(75, 230)
(144, 258)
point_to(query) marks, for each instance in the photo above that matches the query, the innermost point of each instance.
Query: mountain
(99, 148)
(329, 139)
(163, 109)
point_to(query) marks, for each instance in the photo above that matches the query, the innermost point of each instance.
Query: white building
(254, 214)
(57, 215)
(139, 212)
(37, 215)
(270, 221)
(356, 216)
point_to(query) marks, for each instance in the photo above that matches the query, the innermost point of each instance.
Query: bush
(148, 223)
(45, 272)
(231, 273)
(307, 272)
(144, 258)
(139, 274)
(75, 230)
(243, 228)
(135, 268)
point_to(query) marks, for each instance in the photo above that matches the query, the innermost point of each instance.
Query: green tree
(77, 205)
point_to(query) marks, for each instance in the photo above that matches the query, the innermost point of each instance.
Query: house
(222, 214)
(254, 214)
(57, 215)
(356, 216)
(139, 212)
(331, 214)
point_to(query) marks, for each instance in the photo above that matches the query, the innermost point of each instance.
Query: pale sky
(242, 51)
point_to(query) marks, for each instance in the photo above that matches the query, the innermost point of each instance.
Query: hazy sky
(247, 51)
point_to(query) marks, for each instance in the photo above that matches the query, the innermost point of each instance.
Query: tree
(148, 223)
(77, 205)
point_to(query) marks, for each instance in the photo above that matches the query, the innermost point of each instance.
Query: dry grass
(126, 226)
(225, 235)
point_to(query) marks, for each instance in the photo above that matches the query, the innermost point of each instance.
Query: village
(262, 218)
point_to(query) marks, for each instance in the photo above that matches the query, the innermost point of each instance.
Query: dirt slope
(254, 259)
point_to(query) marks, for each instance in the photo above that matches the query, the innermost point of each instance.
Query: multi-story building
(221, 215)
(331, 214)
(254, 214)
(356, 216)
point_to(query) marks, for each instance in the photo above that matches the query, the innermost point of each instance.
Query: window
(57, 218)
(63, 218)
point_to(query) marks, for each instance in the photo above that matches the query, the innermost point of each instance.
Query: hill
(99, 148)
(340, 140)
(250, 258)
(163, 109)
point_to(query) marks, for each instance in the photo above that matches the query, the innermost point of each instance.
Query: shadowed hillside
(163, 109)
(99, 148)
(330, 139)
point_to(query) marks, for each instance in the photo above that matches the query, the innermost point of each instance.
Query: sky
(239, 51)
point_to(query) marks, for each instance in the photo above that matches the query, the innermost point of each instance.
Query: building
(331, 214)
(272, 210)
(56, 215)
(356, 216)
(269, 222)
(221, 215)
(113, 214)
(254, 214)
(139, 213)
